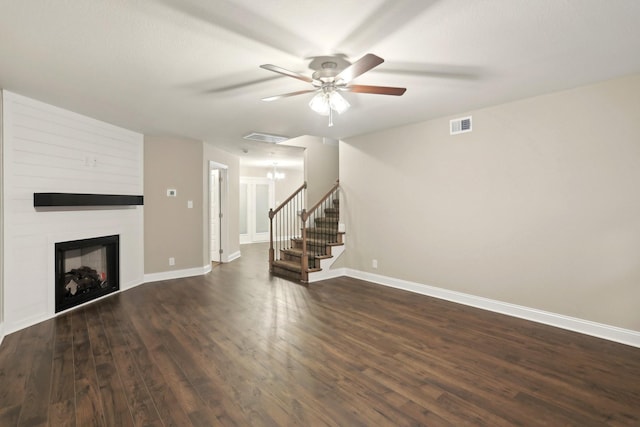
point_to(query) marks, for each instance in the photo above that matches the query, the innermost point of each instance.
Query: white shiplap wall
(48, 149)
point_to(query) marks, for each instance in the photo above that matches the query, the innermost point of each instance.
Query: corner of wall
(1, 222)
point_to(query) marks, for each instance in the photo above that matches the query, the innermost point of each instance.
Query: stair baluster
(284, 225)
(310, 235)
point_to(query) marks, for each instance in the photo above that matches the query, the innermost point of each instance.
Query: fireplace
(85, 270)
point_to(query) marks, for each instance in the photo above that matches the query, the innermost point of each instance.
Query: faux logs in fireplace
(85, 270)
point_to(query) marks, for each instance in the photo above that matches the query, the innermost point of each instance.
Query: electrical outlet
(172, 261)
(172, 192)
(374, 263)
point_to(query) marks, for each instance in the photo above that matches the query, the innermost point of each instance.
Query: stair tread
(298, 252)
(324, 230)
(293, 266)
(316, 242)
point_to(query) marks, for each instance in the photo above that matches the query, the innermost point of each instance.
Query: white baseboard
(325, 274)
(233, 256)
(326, 263)
(177, 274)
(131, 284)
(611, 333)
(25, 323)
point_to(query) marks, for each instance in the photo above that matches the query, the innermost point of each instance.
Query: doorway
(217, 212)
(256, 198)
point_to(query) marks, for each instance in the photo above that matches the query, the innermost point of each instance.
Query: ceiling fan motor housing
(327, 73)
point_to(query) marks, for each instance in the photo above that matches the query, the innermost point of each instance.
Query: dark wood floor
(237, 347)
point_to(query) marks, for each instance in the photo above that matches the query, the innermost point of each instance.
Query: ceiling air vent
(265, 137)
(460, 125)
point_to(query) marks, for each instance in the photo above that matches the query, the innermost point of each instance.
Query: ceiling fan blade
(286, 95)
(359, 67)
(378, 90)
(281, 70)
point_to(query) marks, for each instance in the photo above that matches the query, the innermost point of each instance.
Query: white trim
(233, 256)
(611, 333)
(25, 323)
(223, 208)
(216, 165)
(1, 332)
(325, 265)
(177, 274)
(323, 274)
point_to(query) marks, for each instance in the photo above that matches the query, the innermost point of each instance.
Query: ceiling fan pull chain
(330, 117)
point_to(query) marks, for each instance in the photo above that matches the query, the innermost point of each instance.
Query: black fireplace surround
(85, 270)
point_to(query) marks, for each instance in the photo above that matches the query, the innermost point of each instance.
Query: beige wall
(171, 229)
(230, 242)
(321, 164)
(539, 206)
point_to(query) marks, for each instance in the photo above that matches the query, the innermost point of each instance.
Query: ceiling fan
(332, 78)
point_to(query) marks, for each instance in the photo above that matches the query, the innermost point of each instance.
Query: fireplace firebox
(86, 269)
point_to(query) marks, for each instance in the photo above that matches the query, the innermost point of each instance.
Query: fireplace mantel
(84, 199)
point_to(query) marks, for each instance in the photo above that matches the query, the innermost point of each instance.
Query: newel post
(271, 252)
(304, 261)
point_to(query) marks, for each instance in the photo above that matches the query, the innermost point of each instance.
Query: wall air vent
(265, 137)
(460, 125)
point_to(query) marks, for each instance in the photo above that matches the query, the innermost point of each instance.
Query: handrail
(318, 250)
(272, 212)
(298, 236)
(284, 224)
(305, 214)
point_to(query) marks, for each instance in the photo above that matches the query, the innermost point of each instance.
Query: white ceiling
(191, 68)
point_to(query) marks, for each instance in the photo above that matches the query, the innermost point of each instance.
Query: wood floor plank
(173, 397)
(141, 407)
(63, 376)
(88, 405)
(38, 386)
(62, 413)
(15, 368)
(238, 347)
(10, 415)
(111, 391)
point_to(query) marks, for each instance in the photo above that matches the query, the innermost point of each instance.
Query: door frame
(223, 214)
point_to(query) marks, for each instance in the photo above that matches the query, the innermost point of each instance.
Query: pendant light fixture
(275, 175)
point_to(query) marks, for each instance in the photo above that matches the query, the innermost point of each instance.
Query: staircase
(298, 253)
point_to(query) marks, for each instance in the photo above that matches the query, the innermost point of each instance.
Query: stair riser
(324, 237)
(316, 249)
(297, 259)
(286, 274)
(326, 223)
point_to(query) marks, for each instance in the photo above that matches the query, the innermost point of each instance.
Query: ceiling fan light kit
(323, 102)
(329, 80)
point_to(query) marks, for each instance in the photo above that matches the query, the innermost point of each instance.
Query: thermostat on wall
(171, 192)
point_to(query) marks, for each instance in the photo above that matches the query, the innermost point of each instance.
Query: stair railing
(285, 224)
(319, 229)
